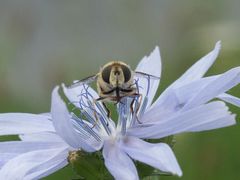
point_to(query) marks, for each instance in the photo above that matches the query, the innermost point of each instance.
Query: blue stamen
(137, 85)
(90, 119)
(85, 127)
(101, 114)
(143, 107)
(103, 118)
(134, 113)
(124, 114)
(148, 88)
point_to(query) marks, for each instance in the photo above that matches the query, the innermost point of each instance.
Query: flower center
(92, 120)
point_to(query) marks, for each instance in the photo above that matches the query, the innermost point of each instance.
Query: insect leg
(131, 106)
(138, 106)
(104, 105)
(106, 108)
(140, 102)
(95, 113)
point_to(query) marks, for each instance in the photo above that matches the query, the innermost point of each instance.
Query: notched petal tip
(218, 45)
(156, 51)
(155, 55)
(230, 99)
(63, 85)
(56, 88)
(233, 120)
(151, 64)
(55, 95)
(179, 174)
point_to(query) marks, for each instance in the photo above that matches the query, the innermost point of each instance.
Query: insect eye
(106, 73)
(126, 73)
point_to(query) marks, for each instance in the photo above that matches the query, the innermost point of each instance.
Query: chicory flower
(185, 106)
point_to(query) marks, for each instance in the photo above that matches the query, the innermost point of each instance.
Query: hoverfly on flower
(114, 81)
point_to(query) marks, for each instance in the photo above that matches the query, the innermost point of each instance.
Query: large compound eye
(126, 72)
(106, 74)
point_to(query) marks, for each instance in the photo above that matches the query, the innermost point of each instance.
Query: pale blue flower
(40, 152)
(185, 106)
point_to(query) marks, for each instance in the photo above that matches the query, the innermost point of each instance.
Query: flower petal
(48, 114)
(149, 65)
(175, 99)
(205, 117)
(118, 163)
(158, 155)
(9, 150)
(22, 123)
(230, 99)
(220, 85)
(22, 147)
(48, 170)
(42, 137)
(200, 67)
(20, 166)
(49, 166)
(64, 127)
(192, 94)
(187, 91)
(193, 73)
(73, 94)
(5, 157)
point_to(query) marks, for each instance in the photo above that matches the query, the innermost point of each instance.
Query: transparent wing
(145, 75)
(86, 80)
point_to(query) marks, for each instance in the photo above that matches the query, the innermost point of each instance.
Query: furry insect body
(115, 81)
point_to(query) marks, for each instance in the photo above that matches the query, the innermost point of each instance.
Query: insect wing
(87, 80)
(145, 75)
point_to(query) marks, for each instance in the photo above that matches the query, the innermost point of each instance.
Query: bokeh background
(44, 43)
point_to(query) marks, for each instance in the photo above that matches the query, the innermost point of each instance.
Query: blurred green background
(45, 43)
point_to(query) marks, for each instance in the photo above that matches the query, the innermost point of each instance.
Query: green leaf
(143, 169)
(146, 172)
(88, 165)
